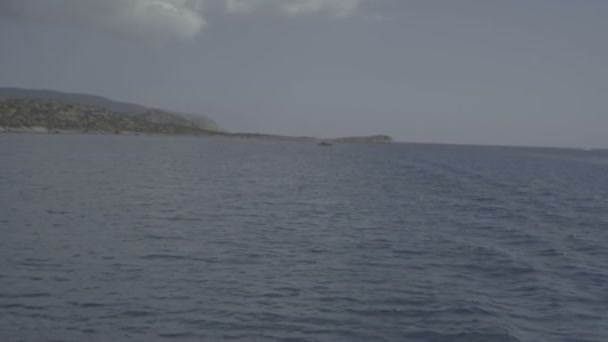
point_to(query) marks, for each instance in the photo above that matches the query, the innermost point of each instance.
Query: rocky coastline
(41, 116)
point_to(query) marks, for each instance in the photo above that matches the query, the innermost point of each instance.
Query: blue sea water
(151, 238)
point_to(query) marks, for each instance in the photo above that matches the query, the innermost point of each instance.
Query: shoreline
(237, 136)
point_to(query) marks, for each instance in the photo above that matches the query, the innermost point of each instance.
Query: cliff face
(35, 115)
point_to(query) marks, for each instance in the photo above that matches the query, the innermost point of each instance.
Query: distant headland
(47, 111)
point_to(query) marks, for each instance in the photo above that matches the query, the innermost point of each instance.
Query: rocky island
(45, 111)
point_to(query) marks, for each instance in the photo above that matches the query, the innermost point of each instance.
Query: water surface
(143, 238)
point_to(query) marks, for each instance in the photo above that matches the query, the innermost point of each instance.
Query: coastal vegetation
(47, 111)
(40, 115)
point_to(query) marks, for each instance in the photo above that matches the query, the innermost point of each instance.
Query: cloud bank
(339, 8)
(158, 19)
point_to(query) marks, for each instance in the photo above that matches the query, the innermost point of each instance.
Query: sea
(174, 238)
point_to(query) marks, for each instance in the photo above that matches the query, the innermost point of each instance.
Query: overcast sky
(523, 72)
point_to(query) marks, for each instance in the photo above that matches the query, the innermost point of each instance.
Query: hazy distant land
(45, 111)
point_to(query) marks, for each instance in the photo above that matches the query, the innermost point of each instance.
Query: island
(44, 111)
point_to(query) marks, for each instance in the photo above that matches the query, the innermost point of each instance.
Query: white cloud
(149, 19)
(158, 20)
(339, 8)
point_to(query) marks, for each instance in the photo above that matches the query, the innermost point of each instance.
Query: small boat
(325, 143)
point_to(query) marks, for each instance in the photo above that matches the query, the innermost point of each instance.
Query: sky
(516, 72)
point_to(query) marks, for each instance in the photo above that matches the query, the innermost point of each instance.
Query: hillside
(42, 115)
(23, 110)
(181, 119)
